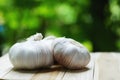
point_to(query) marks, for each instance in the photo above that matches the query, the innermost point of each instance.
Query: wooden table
(103, 66)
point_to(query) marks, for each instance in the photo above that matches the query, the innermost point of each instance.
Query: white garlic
(70, 53)
(31, 55)
(36, 53)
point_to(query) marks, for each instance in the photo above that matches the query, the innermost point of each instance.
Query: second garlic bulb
(70, 53)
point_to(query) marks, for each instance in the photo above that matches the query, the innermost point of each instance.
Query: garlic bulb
(31, 55)
(70, 53)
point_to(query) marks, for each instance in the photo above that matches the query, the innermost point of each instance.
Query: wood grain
(53, 73)
(108, 67)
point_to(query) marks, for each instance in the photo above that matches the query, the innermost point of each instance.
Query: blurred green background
(94, 23)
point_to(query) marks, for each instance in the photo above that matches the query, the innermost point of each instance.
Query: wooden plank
(4, 62)
(83, 74)
(95, 75)
(60, 75)
(5, 65)
(19, 75)
(108, 67)
(54, 73)
(39, 74)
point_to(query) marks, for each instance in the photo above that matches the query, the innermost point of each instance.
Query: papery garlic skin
(35, 37)
(70, 53)
(30, 55)
(49, 40)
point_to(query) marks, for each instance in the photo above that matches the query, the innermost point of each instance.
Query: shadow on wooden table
(53, 68)
(84, 69)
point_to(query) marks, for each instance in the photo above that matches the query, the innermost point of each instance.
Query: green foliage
(66, 13)
(97, 29)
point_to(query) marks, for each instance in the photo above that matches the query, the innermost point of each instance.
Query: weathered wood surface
(103, 66)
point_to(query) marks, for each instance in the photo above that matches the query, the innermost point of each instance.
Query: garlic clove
(70, 53)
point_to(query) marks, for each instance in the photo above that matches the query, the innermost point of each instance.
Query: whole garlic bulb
(70, 53)
(31, 55)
